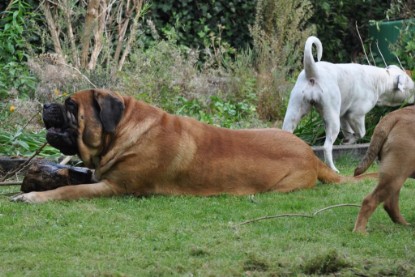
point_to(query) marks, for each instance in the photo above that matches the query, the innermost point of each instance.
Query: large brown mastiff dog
(393, 142)
(139, 149)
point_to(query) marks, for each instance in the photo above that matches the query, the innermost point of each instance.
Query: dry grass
(54, 78)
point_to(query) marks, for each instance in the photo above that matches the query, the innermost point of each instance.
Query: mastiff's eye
(71, 106)
(71, 112)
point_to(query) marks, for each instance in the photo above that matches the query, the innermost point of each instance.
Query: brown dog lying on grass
(139, 149)
(393, 142)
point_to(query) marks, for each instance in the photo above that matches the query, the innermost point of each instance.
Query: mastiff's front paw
(31, 197)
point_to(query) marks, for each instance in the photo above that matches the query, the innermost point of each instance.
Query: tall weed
(219, 93)
(279, 33)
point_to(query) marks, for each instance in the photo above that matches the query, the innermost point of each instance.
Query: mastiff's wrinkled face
(61, 124)
(83, 124)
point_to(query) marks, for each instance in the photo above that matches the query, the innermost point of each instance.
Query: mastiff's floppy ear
(111, 109)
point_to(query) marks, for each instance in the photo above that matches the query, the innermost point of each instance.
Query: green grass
(200, 236)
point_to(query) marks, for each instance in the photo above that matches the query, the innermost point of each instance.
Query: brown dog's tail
(309, 63)
(379, 136)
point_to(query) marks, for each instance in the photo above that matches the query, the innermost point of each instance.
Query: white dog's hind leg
(332, 122)
(328, 153)
(357, 122)
(297, 108)
(348, 133)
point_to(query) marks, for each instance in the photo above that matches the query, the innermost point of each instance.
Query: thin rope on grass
(297, 215)
(335, 206)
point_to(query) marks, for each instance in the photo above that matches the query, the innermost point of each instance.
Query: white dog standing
(343, 94)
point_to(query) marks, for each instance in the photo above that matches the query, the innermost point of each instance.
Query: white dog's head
(402, 81)
(403, 88)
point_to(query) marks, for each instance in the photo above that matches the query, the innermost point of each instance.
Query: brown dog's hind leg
(369, 205)
(388, 187)
(391, 206)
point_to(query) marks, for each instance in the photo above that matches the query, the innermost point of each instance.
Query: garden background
(227, 63)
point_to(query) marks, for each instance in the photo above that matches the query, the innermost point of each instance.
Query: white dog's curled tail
(309, 63)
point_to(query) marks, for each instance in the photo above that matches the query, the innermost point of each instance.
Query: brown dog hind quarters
(343, 94)
(139, 149)
(394, 145)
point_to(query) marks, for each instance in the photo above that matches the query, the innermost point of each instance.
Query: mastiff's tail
(309, 63)
(328, 175)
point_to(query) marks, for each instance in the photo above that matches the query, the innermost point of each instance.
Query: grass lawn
(196, 236)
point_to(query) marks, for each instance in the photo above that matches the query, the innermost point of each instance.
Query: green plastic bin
(385, 33)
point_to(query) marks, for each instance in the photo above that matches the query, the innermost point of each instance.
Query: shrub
(279, 33)
(404, 48)
(16, 28)
(85, 34)
(194, 22)
(168, 76)
(336, 25)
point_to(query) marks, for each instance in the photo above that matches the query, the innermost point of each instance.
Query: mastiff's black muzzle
(61, 124)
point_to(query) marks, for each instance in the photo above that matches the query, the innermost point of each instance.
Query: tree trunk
(91, 16)
(133, 30)
(52, 28)
(68, 12)
(98, 36)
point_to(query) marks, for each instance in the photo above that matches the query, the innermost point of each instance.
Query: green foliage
(279, 33)
(311, 129)
(404, 48)
(199, 65)
(336, 25)
(167, 76)
(158, 74)
(16, 139)
(219, 112)
(195, 22)
(24, 143)
(400, 9)
(16, 27)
